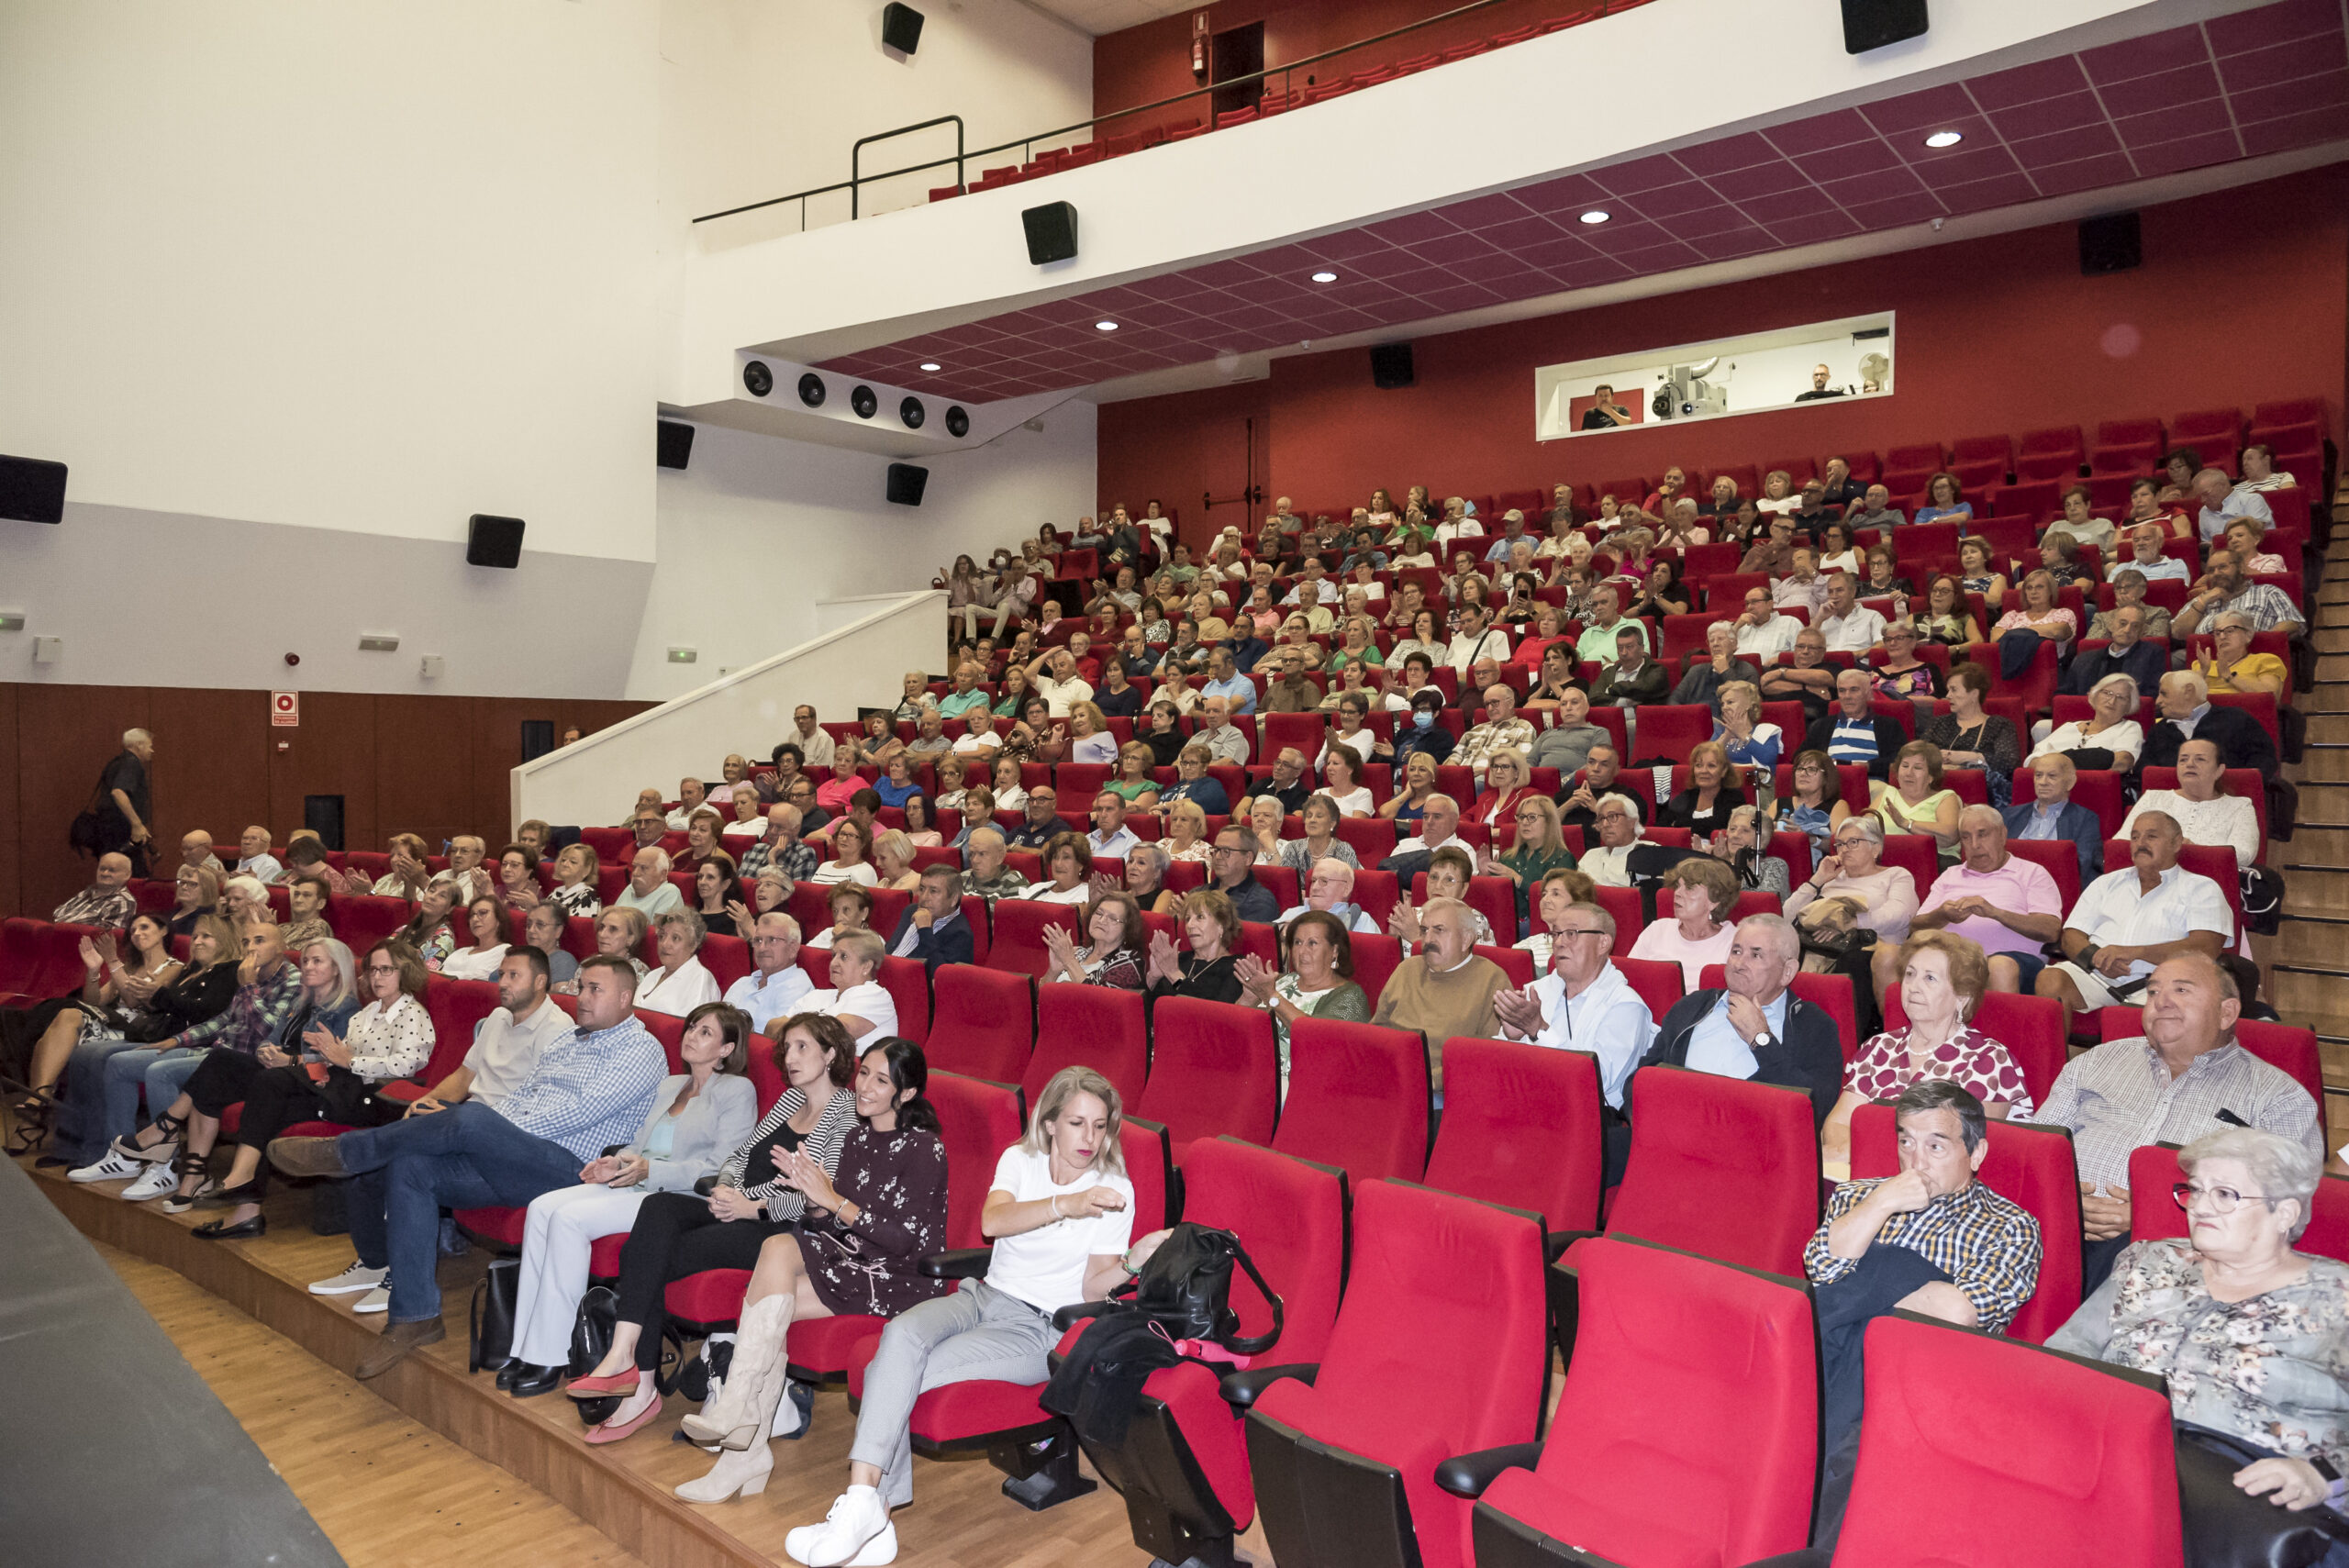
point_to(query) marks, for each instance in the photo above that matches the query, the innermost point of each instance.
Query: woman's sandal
(30, 1117)
(167, 1147)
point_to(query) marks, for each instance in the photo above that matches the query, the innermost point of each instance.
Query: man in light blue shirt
(2222, 505)
(586, 1092)
(1224, 679)
(776, 985)
(1513, 529)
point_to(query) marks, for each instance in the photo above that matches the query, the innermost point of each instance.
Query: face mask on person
(1422, 718)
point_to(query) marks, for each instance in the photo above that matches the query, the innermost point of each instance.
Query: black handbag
(2227, 1526)
(492, 1342)
(591, 1332)
(1186, 1287)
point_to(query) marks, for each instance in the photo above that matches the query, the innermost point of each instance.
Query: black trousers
(2097, 1259)
(675, 1234)
(220, 1081)
(1885, 1276)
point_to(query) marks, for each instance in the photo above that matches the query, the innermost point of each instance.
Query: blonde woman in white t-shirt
(1059, 1213)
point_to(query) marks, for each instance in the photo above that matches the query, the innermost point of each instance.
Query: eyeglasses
(2223, 1200)
(1576, 931)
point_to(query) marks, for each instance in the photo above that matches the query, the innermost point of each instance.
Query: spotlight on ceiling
(1944, 138)
(864, 401)
(931, 365)
(811, 390)
(1325, 277)
(757, 379)
(1105, 327)
(1597, 215)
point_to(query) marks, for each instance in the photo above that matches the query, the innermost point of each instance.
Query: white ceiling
(1098, 16)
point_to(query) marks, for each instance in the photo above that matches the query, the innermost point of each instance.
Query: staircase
(2307, 961)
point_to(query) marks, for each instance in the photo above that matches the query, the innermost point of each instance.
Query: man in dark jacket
(2052, 813)
(1852, 732)
(1756, 1028)
(932, 928)
(2189, 714)
(2127, 654)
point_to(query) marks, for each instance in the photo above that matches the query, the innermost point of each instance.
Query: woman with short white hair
(681, 984)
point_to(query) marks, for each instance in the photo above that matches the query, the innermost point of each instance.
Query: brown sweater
(1457, 1002)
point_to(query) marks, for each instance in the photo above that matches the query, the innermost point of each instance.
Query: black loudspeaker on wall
(901, 27)
(1390, 364)
(493, 541)
(1051, 232)
(906, 483)
(2110, 244)
(1872, 24)
(677, 444)
(32, 490)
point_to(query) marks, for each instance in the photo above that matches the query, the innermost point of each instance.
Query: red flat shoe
(609, 1433)
(600, 1387)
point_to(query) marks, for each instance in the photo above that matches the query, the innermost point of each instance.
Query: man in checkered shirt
(1932, 1240)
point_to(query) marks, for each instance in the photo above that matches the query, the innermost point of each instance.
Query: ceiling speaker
(493, 541)
(32, 490)
(677, 444)
(901, 27)
(2110, 244)
(912, 412)
(864, 402)
(1872, 24)
(1390, 365)
(958, 423)
(811, 390)
(1051, 232)
(758, 378)
(907, 483)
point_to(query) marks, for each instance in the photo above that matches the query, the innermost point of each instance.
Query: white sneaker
(153, 1181)
(357, 1277)
(115, 1167)
(376, 1300)
(856, 1534)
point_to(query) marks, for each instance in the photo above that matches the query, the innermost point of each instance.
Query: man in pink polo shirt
(2008, 904)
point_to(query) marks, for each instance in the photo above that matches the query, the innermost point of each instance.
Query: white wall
(759, 530)
(374, 265)
(224, 600)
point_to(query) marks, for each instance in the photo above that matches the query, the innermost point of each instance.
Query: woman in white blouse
(681, 984)
(1352, 729)
(855, 997)
(2111, 727)
(1067, 860)
(750, 818)
(574, 878)
(1186, 831)
(1341, 781)
(1008, 795)
(491, 927)
(850, 844)
(852, 911)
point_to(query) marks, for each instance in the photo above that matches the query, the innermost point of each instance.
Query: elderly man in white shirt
(1439, 825)
(1608, 865)
(776, 986)
(1802, 584)
(1849, 626)
(1762, 632)
(1224, 743)
(1331, 890)
(1583, 1003)
(1063, 685)
(1110, 838)
(2127, 921)
(1478, 640)
(2222, 504)
(814, 744)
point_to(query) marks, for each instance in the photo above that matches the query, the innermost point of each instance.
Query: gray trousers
(977, 1334)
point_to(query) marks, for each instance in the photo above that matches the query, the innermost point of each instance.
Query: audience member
(1317, 981)
(1755, 1028)
(2230, 667)
(776, 985)
(107, 902)
(1704, 894)
(932, 928)
(2187, 712)
(1209, 970)
(2008, 906)
(1849, 626)
(2132, 919)
(1854, 731)
(1444, 990)
(1718, 668)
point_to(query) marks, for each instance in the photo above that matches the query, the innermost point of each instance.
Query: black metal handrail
(1027, 143)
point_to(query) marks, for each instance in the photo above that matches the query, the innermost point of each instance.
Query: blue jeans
(128, 1071)
(465, 1157)
(78, 1132)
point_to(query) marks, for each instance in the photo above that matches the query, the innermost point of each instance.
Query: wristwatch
(1759, 1040)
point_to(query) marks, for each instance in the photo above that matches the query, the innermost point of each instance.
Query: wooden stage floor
(959, 1518)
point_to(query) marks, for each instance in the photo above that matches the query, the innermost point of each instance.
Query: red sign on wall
(286, 711)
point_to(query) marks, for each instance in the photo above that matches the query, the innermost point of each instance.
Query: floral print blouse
(1969, 1058)
(2273, 1370)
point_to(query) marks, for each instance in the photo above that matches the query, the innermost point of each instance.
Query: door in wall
(1238, 53)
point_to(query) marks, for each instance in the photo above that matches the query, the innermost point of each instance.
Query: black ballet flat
(532, 1381)
(218, 1197)
(244, 1230)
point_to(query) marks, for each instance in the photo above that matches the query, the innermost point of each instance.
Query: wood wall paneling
(211, 767)
(332, 751)
(424, 759)
(65, 736)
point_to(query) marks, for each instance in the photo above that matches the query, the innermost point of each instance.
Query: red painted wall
(2243, 296)
(1146, 63)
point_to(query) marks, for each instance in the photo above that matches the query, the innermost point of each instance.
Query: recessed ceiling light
(1944, 138)
(1325, 277)
(1105, 327)
(931, 365)
(1597, 215)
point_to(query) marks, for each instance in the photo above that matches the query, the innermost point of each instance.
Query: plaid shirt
(797, 863)
(1476, 748)
(94, 906)
(2264, 605)
(1005, 883)
(256, 1015)
(2119, 1096)
(1987, 1246)
(588, 1091)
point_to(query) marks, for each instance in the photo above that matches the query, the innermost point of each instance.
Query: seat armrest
(1467, 1475)
(962, 1263)
(1068, 1317)
(1241, 1388)
(1808, 1557)
(1554, 1245)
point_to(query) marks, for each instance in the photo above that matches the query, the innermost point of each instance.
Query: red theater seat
(1722, 1167)
(1521, 1128)
(984, 1025)
(1357, 1099)
(1345, 1465)
(1091, 1026)
(1213, 1070)
(1688, 1377)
